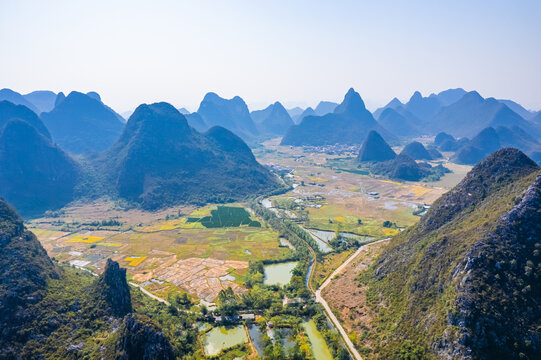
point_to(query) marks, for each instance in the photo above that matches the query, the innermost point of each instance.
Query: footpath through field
(353, 351)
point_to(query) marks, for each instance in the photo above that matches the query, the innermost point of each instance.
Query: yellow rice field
(135, 260)
(84, 239)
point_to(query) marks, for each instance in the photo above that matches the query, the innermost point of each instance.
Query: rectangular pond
(221, 338)
(322, 238)
(279, 273)
(319, 346)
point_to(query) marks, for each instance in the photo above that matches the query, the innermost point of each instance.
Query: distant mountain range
(403, 125)
(424, 107)
(325, 107)
(82, 124)
(17, 99)
(472, 113)
(273, 120)
(232, 114)
(43, 100)
(35, 175)
(9, 111)
(295, 113)
(492, 139)
(159, 160)
(455, 112)
(350, 123)
(307, 112)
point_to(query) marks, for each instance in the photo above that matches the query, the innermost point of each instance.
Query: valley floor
(168, 253)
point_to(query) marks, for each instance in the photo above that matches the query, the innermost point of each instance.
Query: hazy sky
(297, 52)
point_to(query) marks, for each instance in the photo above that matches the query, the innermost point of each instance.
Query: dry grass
(347, 298)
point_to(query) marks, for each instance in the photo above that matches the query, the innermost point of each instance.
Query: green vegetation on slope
(465, 280)
(62, 313)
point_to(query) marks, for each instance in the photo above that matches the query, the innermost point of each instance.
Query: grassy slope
(414, 293)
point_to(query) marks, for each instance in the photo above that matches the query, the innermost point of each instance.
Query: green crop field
(226, 216)
(244, 243)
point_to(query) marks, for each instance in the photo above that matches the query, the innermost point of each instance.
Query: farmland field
(163, 249)
(202, 250)
(331, 193)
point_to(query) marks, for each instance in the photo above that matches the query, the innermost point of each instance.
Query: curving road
(146, 292)
(352, 350)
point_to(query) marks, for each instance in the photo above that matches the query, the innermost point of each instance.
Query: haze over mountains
(454, 111)
(82, 124)
(159, 160)
(233, 114)
(348, 124)
(155, 160)
(273, 120)
(35, 175)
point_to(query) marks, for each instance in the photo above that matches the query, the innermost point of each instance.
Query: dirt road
(146, 292)
(353, 351)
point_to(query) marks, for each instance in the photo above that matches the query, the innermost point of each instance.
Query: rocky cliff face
(25, 269)
(140, 339)
(495, 171)
(498, 307)
(465, 282)
(113, 289)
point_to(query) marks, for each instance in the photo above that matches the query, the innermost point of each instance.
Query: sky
(296, 52)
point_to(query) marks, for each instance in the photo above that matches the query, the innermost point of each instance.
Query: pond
(287, 339)
(279, 274)
(285, 242)
(286, 335)
(324, 235)
(221, 338)
(360, 238)
(321, 236)
(319, 346)
(255, 335)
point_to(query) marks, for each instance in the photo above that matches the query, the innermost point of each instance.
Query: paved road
(353, 351)
(146, 292)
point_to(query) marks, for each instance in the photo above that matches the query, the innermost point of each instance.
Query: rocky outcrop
(140, 339)
(490, 174)
(25, 269)
(464, 283)
(113, 289)
(499, 296)
(375, 149)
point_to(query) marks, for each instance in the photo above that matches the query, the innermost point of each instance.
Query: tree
(343, 354)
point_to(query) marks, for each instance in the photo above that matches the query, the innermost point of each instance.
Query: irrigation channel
(317, 293)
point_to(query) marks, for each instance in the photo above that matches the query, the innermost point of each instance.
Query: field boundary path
(353, 351)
